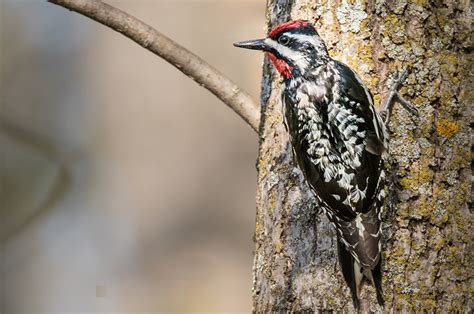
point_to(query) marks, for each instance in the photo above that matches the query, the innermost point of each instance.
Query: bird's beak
(256, 44)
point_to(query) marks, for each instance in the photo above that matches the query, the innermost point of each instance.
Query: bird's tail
(376, 273)
(353, 274)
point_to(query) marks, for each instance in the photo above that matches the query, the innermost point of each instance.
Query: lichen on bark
(427, 260)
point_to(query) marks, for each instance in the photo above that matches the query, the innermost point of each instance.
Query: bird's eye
(283, 40)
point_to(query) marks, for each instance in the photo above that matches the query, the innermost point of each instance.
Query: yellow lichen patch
(423, 208)
(418, 101)
(429, 304)
(447, 128)
(451, 59)
(272, 203)
(365, 52)
(396, 253)
(450, 66)
(372, 82)
(440, 219)
(403, 211)
(425, 174)
(420, 2)
(377, 99)
(461, 159)
(419, 174)
(436, 240)
(261, 164)
(364, 25)
(279, 246)
(394, 28)
(258, 228)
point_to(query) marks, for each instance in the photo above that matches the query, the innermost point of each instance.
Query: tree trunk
(427, 220)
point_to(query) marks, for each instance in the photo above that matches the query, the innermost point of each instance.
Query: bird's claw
(395, 96)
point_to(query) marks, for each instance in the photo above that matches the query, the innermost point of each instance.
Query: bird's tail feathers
(354, 273)
(376, 279)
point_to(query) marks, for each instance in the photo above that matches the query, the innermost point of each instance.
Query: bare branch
(184, 60)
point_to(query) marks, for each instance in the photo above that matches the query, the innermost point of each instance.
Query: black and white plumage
(338, 139)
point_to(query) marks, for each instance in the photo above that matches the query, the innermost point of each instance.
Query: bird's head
(294, 48)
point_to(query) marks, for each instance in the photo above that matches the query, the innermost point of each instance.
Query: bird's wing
(355, 90)
(362, 235)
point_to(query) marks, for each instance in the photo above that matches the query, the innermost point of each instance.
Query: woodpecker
(338, 141)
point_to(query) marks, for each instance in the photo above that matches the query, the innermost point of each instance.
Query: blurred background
(124, 186)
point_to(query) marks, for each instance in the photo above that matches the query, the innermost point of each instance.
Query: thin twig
(184, 60)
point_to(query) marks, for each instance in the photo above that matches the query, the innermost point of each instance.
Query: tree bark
(427, 258)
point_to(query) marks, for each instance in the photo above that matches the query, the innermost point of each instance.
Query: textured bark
(427, 238)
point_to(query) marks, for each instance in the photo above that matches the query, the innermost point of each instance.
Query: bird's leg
(395, 96)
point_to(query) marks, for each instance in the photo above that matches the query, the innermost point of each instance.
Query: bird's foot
(395, 96)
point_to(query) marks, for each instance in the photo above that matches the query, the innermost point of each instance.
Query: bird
(339, 141)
